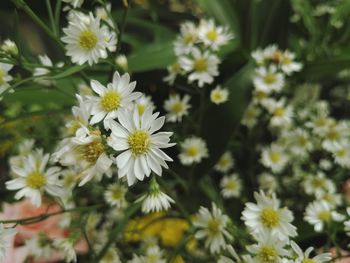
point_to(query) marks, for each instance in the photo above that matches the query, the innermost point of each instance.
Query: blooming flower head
(187, 39)
(287, 63)
(267, 216)
(304, 257)
(250, 117)
(318, 184)
(268, 79)
(212, 226)
(34, 178)
(281, 114)
(193, 150)
(115, 195)
(118, 94)
(274, 157)
(144, 102)
(176, 107)
(219, 95)
(213, 36)
(225, 162)
(231, 186)
(173, 70)
(86, 40)
(141, 144)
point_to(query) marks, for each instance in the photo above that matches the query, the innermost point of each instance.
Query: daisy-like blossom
(202, 67)
(193, 150)
(111, 256)
(34, 178)
(219, 95)
(5, 78)
(287, 63)
(271, 52)
(81, 114)
(299, 142)
(304, 257)
(231, 186)
(267, 216)
(66, 246)
(212, 226)
(173, 70)
(122, 62)
(153, 255)
(86, 40)
(274, 157)
(6, 236)
(269, 249)
(267, 182)
(225, 162)
(10, 47)
(268, 79)
(319, 213)
(144, 102)
(88, 151)
(187, 39)
(334, 134)
(118, 95)
(115, 195)
(141, 144)
(213, 36)
(281, 114)
(318, 184)
(40, 247)
(250, 117)
(341, 153)
(177, 107)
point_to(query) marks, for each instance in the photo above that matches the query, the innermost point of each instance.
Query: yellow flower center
(175, 68)
(110, 101)
(341, 153)
(212, 35)
(36, 180)
(307, 260)
(177, 107)
(188, 39)
(139, 142)
(286, 60)
(332, 135)
(109, 256)
(277, 56)
(117, 193)
(279, 112)
(267, 254)
(91, 151)
(2, 77)
(192, 151)
(302, 141)
(216, 96)
(200, 65)
(269, 217)
(259, 95)
(275, 157)
(321, 122)
(324, 215)
(87, 39)
(318, 182)
(269, 78)
(231, 185)
(214, 227)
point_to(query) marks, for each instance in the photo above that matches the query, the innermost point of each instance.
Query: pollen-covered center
(212, 35)
(232, 185)
(192, 151)
(307, 260)
(217, 96)
(270, 78)
(214, 227)
(36, 180)
(269, 217)
(139, 142)
(279, 112)
(117, 193)
(110, 101)
(91, 151)
(324, 215)
(177, 107)
(275, 157)
(267, 254)
(87, 39)
(188, 39)
(200, 64)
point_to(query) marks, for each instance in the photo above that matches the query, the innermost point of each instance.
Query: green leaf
(324, 68)
(68, 72)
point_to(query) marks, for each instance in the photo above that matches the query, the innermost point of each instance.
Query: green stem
(52, 20)
(125, 14)
(57, 15)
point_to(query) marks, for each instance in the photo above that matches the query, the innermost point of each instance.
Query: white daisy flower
(341, 153)
(144, 102)
(303, 257)
(225, 162)
(6, 236)
(334, 134)
(34, 178)
(86, 40)
(271, 52)
(212, 227)
(231, 186)
(193, 150)
(187, 39)
(268, 79)
(141, 144)
(10, 47)
(173, 70)
(274, 157)
(318, 184)
(267, 216)
(287, 63)
(213, 36)
(115, 195)
(267, 182)
(202, 67)
(176, 107)
(219, 95)
(260, 97)
(281, 114)
(250, 117)
(118, 94)
(319, 213)
(5, 78)
(299, 142)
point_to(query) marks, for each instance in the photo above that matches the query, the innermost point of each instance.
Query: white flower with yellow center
(270, 248)
(141, 144)
(213, 36)
(219, 95)
(173, 70)
(225, 162)
(341, 153)
(118, 94)
(287, 63)
(212, 226)
(193, 150)
(274, 157)
(318, 184)
(319, 214)
(281, 114)
(231, 186)
(202, 67)
(304, 257)
(144, 102)
(86, 40)
(267, 216)
(34, 178)
(267, 182)
(262, 55)
(115, 195)
(299, 142)
(187, 39)
(250, 117)
(268, 79)
(111, 256)
(5, 78)
(334, 134)
(176, 107)
(6, 240)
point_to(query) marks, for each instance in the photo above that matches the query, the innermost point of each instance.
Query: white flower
(9, 47)
(6, 238)
(153, 255)
(274, 157)
(318, 184)
(34, 178)
(299, 142)
(39, 246)
(173, 70)
(115, 195)
(176, 107)
(219, 95)
(270, 52)
(250, 117)
(287, 63)
(267, 216)
(5, 78)
(102, 13)
(202, 67)
(305, 256)
(66, 245)
(122, 61)
(193, 150)
(212, 227)
(86, 40)
(118, 94)
(111, 256)
(213, 36)
(231, 186)
(268, 79)
(341, 153)
(144, 102)
(225, 163)
(42, 71)
(281, 114)
(141, 144)
(155, 200)
(81, 114)
(333, 134)
(187, 39)
(319, 213)
(267, 182)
